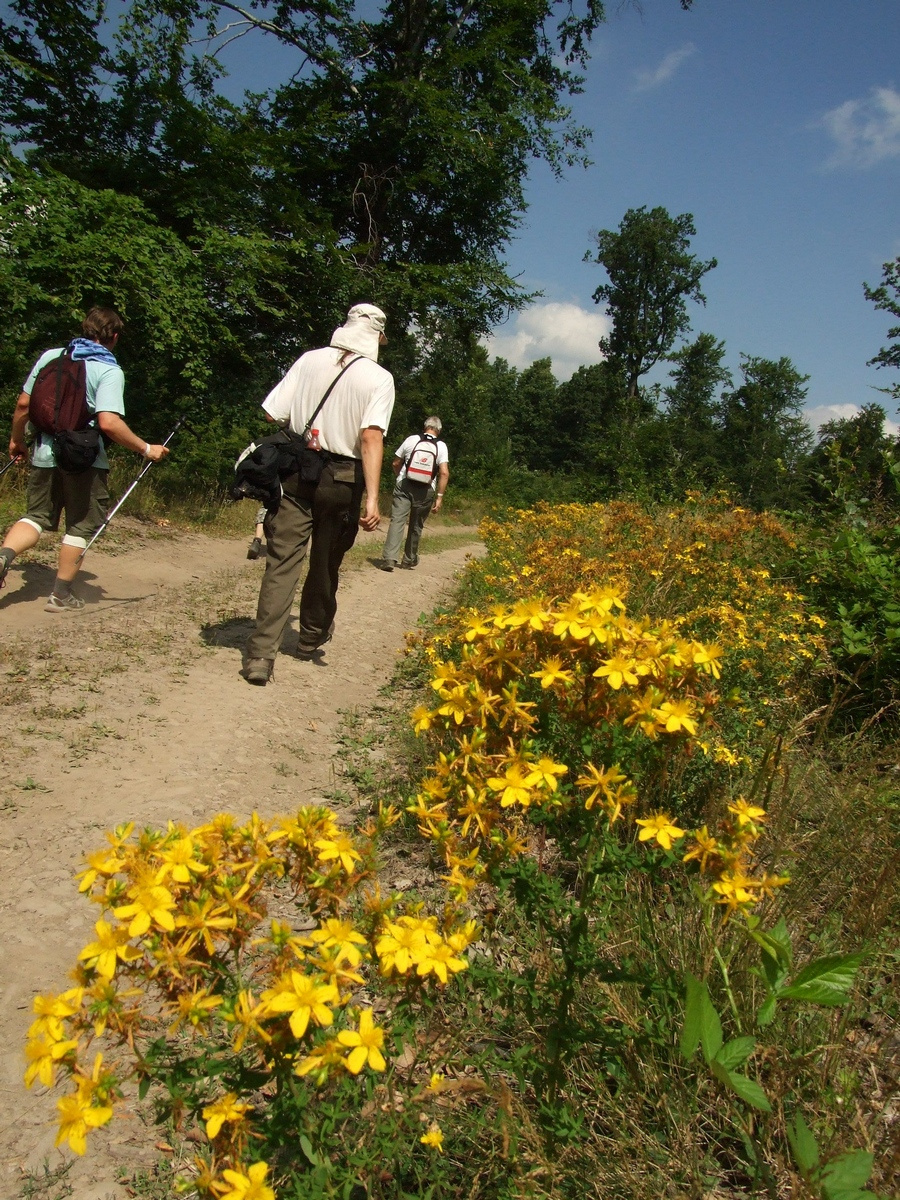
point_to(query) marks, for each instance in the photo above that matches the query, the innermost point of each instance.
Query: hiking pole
(112, 512)
(12, 462)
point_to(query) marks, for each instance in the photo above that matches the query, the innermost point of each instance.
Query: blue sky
(776, 123)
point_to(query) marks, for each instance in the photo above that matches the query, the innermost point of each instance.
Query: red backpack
(59, 396)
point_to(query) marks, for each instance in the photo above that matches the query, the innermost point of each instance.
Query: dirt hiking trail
(134, 710)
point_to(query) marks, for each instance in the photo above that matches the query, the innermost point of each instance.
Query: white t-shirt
(105, 385)
(405, 449)
(364, 397)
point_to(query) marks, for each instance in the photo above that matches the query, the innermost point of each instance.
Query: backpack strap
(330, 389)
(59, 374)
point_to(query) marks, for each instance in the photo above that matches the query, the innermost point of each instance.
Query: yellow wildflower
(303, 996)
(551, 672)
(513, 785)
(438, 960)
(51, 1012)
(202, 918)
(366, 1045)
(110, 946)
(195, 1008)
(433, 1138)
(543, 773)
(78, 1115)
(617, 670)
(245, 1186)
(179, 861)
(319, 1061)
(399, 946)
(149, 903)
(705, 847)
(422, 718)
(601, 781)
(339, 846)
(747, 813)
(661, 829)
(675, 715)
(225, 1109)
(342, 937)
(734, 888)
(43, 1054)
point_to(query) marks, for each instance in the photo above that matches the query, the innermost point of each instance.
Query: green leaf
(775, 943)
(773, 973)
(710, 1027)
(826, 981)
(766, 1013)
(847, 1176)
(803, 1144)
(733, 1053)
(690, 1033)
(143, 1087)
(306, 1147)
(747, 1089)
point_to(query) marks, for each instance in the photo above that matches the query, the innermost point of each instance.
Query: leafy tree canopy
(765, 435)
(652, 275)
(398, 149)
(887, 297)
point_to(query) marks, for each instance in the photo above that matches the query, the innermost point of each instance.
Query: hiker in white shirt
(349, 429)
(421, 465)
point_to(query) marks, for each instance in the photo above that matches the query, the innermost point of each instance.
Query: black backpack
(58, 406)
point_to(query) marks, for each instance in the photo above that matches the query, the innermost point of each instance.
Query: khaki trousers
(327, 515)
(411, 502)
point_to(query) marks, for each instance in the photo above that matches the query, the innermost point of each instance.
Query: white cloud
(566, 333)
(820, 415)
(865, 132)
(647, 78)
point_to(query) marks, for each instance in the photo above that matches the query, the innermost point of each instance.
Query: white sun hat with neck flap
(362, 331)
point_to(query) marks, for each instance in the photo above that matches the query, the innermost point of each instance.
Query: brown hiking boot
(259, 670)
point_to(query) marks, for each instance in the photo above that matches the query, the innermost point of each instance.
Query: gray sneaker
(69, 603)
(259, 670)
(387, 565)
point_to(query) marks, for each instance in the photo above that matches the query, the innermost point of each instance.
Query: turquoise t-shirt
(105, 393)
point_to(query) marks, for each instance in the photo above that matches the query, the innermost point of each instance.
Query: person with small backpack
(421, 465)
(71, 396)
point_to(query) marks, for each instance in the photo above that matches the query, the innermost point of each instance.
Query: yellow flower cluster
(697, 564)
(726, 858)
(184, 949)
(531, 666)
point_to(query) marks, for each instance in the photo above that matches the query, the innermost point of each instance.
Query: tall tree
(535, 421)
(691, 422)
(764, 434)
(853, 458)
(399, 146)
(652, 275)
(887, 297)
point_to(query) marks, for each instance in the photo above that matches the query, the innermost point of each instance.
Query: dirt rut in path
(134, 710)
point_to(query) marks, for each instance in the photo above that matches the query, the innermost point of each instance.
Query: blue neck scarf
(83, 348)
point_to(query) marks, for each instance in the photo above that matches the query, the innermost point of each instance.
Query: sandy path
(135, 710)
